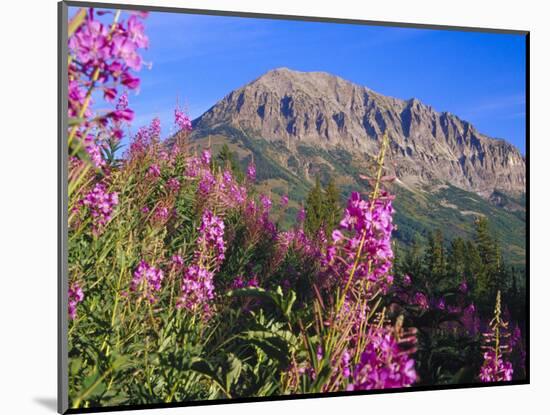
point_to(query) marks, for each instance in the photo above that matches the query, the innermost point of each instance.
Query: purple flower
(100, 204)
(266, 203)
(241, 282)
(161, 214)
(153, 171)
(421, 300)
(346, 359)
(207, 183)
(109, 94)
(101, 59)
(284, 201)
(206, 157)
(154, 128)
(441, 304)
(122, 103)
(407, 280)
(251, 171)
(77, 96)
(210, 238)
(122, 115)
(383, 364)
(76, 295)
(495, 369)
(463, 287)
(125, 49)
(301, 215)
(148, 278)
(129, 81)
(182, 121)
(337, 236)
(136, 32)
(94, 151)
(173, 184)
(177, 261)
(197, 288)
(90, 43)
(369, 226)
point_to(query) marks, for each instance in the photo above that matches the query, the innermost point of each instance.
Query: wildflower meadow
(184, 285)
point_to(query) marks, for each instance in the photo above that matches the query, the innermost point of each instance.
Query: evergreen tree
(456, 260)
(332, 210)
(490, 275)
(227, 160)
(314, 209)
(412, 261)
(435, 255)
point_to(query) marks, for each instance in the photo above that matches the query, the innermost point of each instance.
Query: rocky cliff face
(324, 111)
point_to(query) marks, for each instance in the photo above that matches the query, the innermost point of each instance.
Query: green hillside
(283, 170)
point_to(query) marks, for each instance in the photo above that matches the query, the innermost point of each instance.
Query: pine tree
(314, 209)
(435, 255)
(485, 243)
(490, 276)
(331, 206)
(472, 266)
(456, 260)
(227, 160)
(412, 259)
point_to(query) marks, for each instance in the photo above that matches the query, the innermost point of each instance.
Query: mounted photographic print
(258, 207)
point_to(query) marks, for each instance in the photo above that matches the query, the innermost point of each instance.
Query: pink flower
(211, 236)
(495, 370)
(284, 201)
(206, 157)
(369, 226)
(122, 115)
(383, 363)
(197, 288)
(148, 279)
(177, 261)
(251, 171)
(266, 203)
(94, 151)
(153, 171)
(76, 295)
(136, 32)
(421, 300)
(154, 128)
(301, 215)
(173, 184)
(122, 103)
(90, 43)
(182, 121)
(129, 81)
(241, 282)
(100, 204)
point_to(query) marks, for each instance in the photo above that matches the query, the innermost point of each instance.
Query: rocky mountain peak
(325, 111)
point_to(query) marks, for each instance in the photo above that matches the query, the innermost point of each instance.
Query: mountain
(325, 111)
(299, 125)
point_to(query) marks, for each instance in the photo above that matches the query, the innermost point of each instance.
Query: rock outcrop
(324, 111)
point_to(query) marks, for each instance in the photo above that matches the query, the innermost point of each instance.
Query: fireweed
(76, 295)
(495, 367)
(193, 289)
(147, 280)
(101, 59)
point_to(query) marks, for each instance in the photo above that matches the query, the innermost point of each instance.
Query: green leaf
(234, 372)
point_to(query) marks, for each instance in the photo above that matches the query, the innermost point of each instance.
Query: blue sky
(197, 60)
